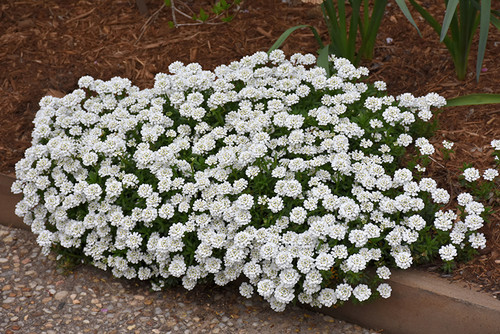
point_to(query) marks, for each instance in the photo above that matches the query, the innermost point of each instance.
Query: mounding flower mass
(264, 169)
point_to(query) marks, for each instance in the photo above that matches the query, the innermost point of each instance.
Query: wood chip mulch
(46, 46)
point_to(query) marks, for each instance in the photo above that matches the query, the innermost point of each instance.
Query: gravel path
(37, 298)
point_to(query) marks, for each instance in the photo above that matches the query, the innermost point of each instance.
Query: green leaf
(218, 8)
(473, 99)
(451, 6)
(203, 16)
(483, 34)
(171, 24)
(434, 24)
(287, 33)
(495, 22)
(323, 60)
(227, 19)
(167, 3)
(407, 14)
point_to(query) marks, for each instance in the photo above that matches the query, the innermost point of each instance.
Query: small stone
(61, 295)
(6, 287)
(3, 260)
(94, 301)
(14, 319)
(130, 327)
(139, 297)
(8, 300)
(76, 301)
(327, 318)
(46, 300)
(216, 330)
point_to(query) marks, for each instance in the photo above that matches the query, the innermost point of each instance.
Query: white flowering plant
(265, 169)
(482, 185)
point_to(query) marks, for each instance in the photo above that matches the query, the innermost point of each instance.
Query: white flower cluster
(265, 168)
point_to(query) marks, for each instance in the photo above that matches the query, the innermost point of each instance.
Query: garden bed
(71, 52)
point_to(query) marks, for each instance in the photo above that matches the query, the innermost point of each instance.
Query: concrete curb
(420, 302)
(8, 203)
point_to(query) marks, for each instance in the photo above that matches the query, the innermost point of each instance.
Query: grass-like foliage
(264, 169)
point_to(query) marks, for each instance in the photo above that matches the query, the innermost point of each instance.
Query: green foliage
(473, 99)
(462, 25)
(346, 30)
(222, 11)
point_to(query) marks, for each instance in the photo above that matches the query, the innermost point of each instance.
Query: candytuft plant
(264, 169)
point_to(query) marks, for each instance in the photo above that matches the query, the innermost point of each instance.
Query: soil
(47, 46)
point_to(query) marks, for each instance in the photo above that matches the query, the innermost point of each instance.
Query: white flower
(246, 290)
(473, 222)
(343, 291)
(404, 140)
(275, 204)
(380, 85)
(362, 292)
(464, 198)
(324, 261)
(477, 240)
(447, 252)
(305, 264)
(490, 174)
(356, 263)
(327, 297)
(440, 196)
(496, 144)
(385, 290)
(403, 259)
(471, 174)
(298, 215)
(265, 288)
(447, 144)
(289, 277)
(358, 237)
(474, 207)
(383, 272)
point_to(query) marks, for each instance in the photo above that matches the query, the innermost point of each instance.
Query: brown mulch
(46, 46)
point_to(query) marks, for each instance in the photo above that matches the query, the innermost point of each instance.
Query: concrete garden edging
(420, 302)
